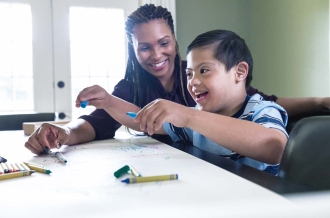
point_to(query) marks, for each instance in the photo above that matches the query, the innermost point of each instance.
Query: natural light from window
(97, 49)
(16, 73)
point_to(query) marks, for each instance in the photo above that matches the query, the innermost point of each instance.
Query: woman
(154, 70)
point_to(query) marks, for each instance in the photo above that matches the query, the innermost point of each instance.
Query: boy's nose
(194, 81)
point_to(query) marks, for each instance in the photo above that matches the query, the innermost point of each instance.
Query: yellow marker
(151, 179)
(38, 168)
(16, 175)
(4, 167)
(15, 167)
(20, 167)
(11, 169)
(134, 172)
(25, 167)
(1, 170)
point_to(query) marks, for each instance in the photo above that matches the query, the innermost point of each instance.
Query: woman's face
(154, 46)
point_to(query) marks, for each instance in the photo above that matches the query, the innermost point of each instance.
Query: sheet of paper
(87, 180)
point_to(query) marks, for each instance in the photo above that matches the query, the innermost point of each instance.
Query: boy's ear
(242, 71)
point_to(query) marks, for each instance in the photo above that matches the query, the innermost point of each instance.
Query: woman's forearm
(81, 131)
(298, 106)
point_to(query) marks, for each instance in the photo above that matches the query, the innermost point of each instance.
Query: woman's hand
(47, 135)
(96, 96)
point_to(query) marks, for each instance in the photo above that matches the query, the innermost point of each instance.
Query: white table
(86, 187)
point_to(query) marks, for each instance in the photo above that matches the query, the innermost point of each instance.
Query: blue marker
(131, 114)
(83, 104)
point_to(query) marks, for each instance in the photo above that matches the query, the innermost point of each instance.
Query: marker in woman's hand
(83, 104)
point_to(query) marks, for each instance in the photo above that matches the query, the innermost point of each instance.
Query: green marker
(121, 171)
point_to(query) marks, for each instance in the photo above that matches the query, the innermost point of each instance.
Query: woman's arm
(298, 106)
(114, 106)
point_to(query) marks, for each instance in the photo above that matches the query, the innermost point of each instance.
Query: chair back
(306, 159)
(15, 121)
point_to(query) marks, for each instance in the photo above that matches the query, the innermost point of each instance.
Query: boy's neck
(235, 105)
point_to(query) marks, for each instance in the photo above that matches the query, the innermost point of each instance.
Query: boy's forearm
(244, 137)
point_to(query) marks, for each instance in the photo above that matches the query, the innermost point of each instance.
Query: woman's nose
(156, 53)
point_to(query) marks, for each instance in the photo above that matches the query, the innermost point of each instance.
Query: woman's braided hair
(134, 72)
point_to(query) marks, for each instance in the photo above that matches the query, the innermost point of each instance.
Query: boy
(219, 71)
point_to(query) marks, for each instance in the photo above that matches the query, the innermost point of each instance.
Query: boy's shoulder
(256, 105)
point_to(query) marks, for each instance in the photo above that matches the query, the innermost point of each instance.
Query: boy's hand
(154, 114)
(96, 96)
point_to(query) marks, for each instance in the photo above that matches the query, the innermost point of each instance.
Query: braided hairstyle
(141, 78)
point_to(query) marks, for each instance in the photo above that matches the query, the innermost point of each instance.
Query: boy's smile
(213, 87)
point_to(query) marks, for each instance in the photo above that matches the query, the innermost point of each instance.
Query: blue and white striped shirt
(254, 109)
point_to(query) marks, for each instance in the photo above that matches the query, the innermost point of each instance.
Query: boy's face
(210, 85)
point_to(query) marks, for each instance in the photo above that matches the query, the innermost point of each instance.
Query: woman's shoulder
(123, 89)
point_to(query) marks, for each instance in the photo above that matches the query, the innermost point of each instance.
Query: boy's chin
(199, 107)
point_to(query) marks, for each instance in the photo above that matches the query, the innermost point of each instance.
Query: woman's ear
(242, 71)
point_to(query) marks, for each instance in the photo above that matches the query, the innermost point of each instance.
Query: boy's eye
(203, 71)
(188, 74)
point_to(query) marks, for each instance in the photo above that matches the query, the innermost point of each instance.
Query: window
(97, 45)
(43, 43)
(16, 77)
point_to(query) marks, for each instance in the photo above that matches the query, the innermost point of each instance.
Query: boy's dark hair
(228, 48)
(141, 79)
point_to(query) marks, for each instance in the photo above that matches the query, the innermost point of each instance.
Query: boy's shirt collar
(241, 110)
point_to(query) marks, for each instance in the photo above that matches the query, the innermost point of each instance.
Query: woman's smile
(159, 66)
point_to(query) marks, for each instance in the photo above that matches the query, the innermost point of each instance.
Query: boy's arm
(244, 137)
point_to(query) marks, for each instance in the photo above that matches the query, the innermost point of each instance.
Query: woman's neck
(167, 82)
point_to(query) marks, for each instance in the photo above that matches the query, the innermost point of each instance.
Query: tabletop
(86, 186)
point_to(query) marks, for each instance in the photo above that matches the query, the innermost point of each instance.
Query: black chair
(15, 121)
(294, 119)
(306, 159)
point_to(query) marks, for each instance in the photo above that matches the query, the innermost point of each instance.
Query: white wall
(290, 45)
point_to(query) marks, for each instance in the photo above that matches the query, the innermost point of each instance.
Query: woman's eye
(144, 48)
(188, 74)
(164, 43)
